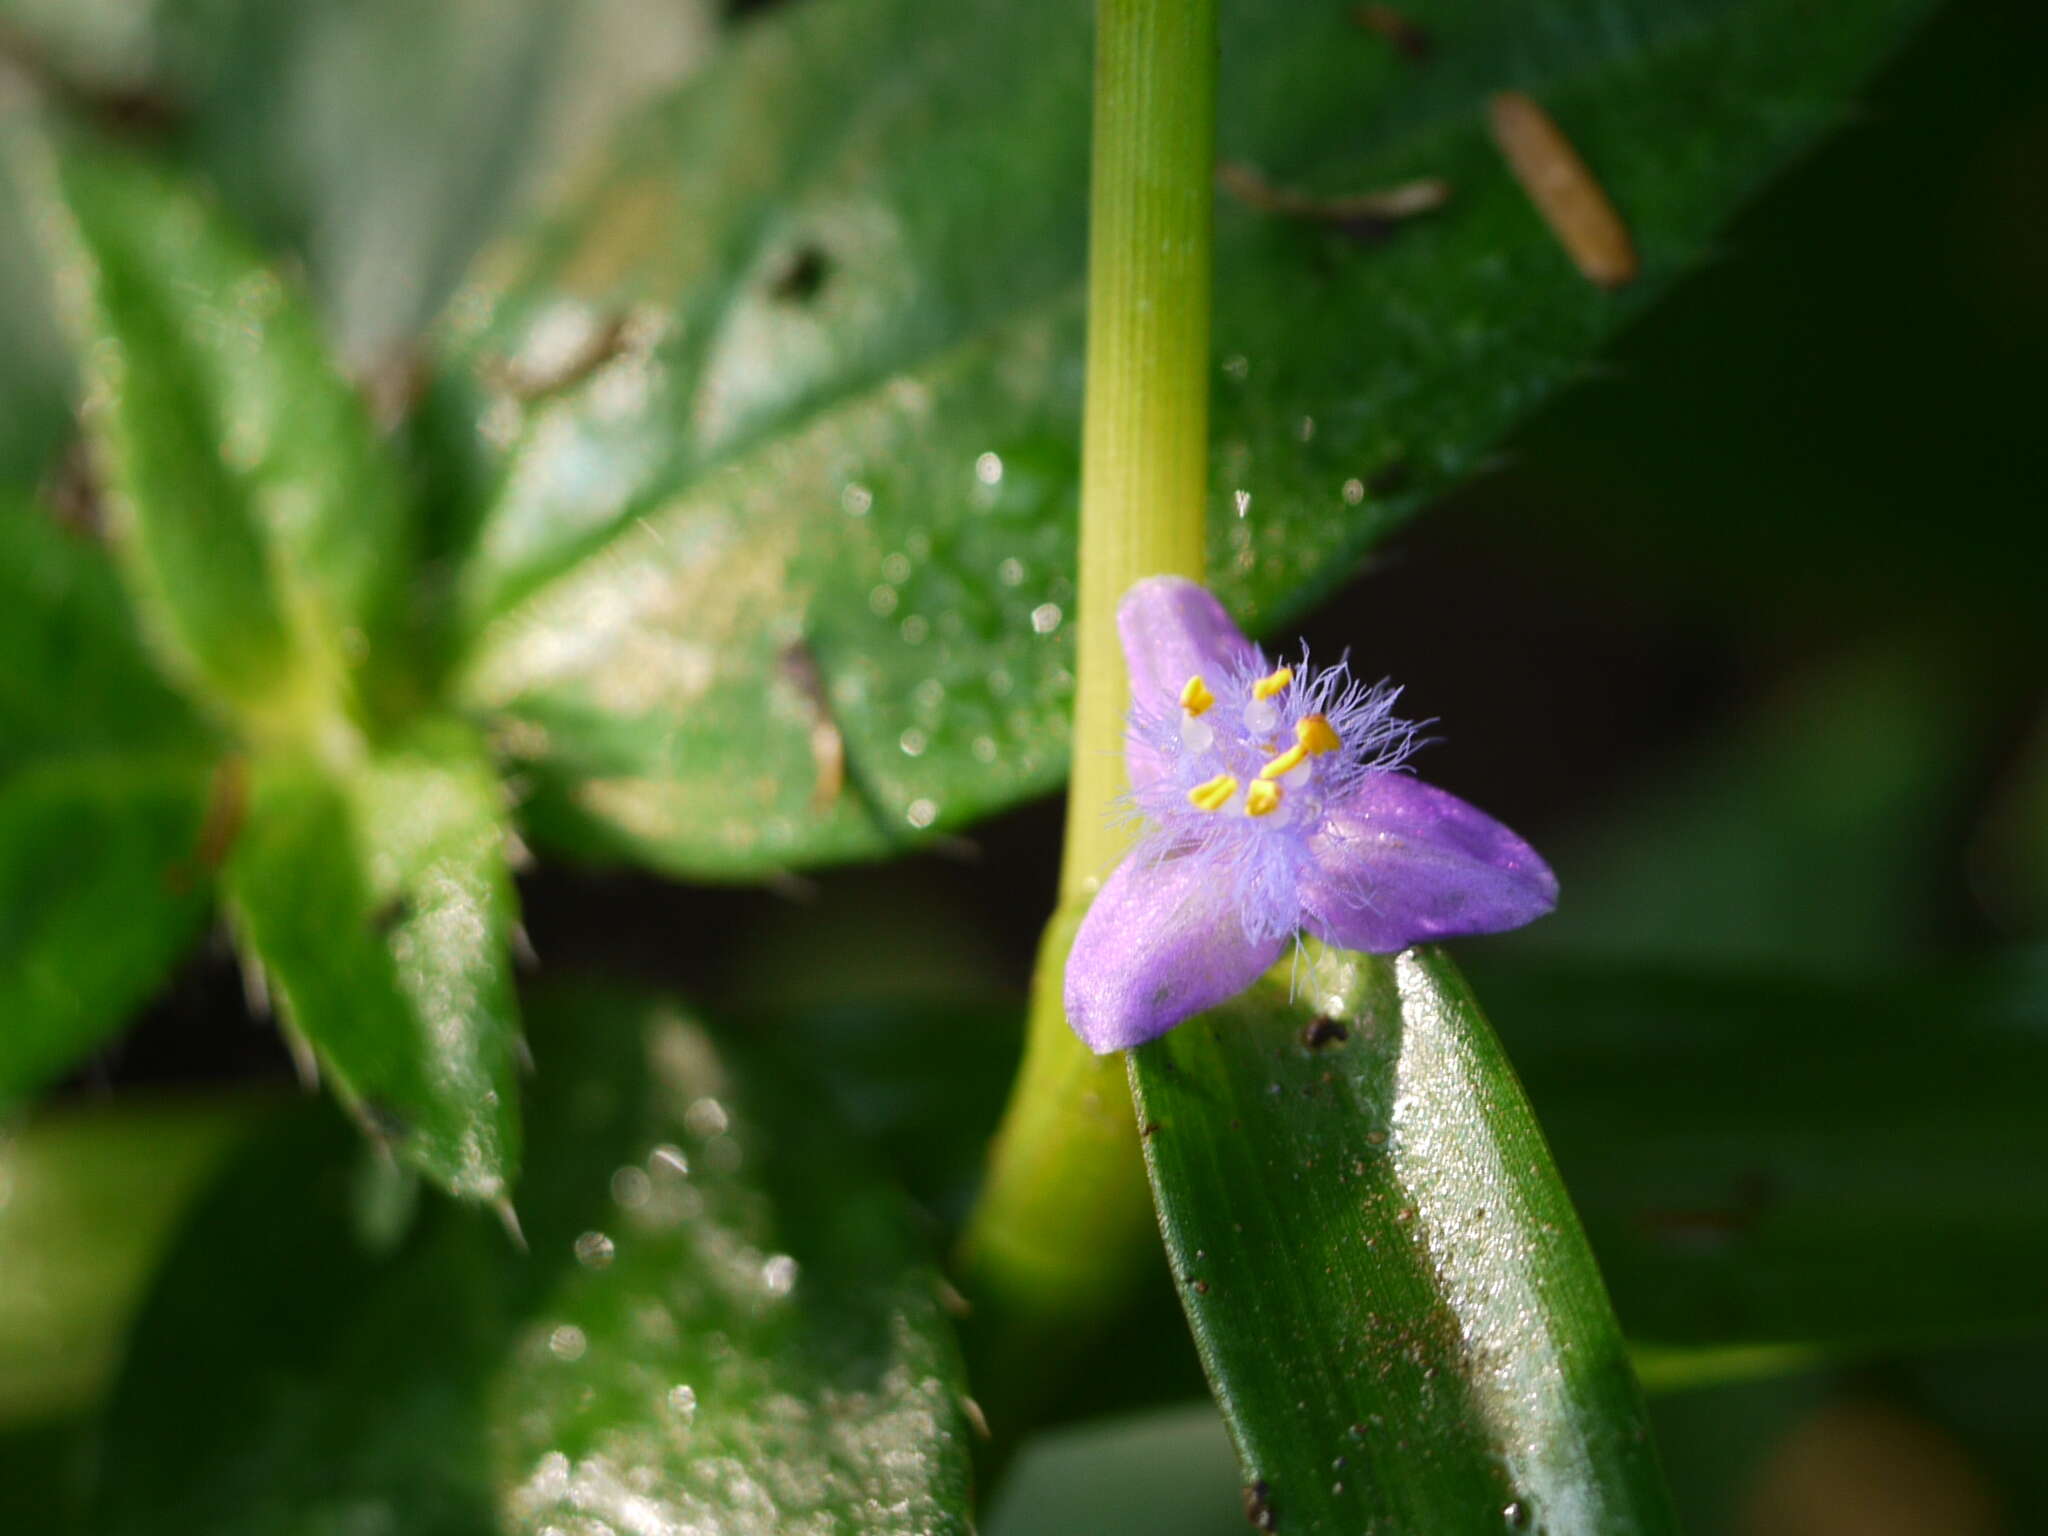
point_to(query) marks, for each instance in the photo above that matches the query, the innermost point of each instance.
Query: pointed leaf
(378, 906)
(793, 388)
(1393, 1298)
(723, 1325)
(260, 525)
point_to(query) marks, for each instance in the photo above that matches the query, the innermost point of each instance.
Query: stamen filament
(1285, 763)
(1214, 794)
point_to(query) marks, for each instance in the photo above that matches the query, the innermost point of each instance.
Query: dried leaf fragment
(1572, 203)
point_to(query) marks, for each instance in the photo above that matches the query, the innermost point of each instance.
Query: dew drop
(921, 813)
(896, 567)
(1045, 618)
(856, 499)
(682, 1401)
(669, 1158)
(882, 600)
(984, 749)
(706, 1118)
(1011, 572)
(594, 1250)
(567, 1343)
(988, 468)
(1354, 492)
(1516, 1514)
(915, 629)
(778, 1275)
(1242, 500)
(631, 1187)
(913, 742)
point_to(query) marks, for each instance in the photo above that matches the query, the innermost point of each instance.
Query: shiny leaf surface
(377, 905)
(778, 565)
(723, 1324)
(1394, 1300)
(260, 523)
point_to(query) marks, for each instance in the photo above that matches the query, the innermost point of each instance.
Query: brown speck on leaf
(527, 382)
(1258, 1506)
(1558, 182)
(72, 491)
(1151, 1129)
(1201, 1287)
(1413, 41)
(828, 747)
(1362, 215)
(227, 802)
(1322, 1030)
(801, 276)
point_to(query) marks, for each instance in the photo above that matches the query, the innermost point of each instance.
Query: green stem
(1064, 1227)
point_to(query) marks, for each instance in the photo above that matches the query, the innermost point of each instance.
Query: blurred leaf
(378, 906)
(41, 1469)
(793, 463)
(103, 797)
(88, 1201)
(748, 1345)
(1768, 1162)
(35, 389)
(381, 140)
(1397, 1309)
(101, 889)
(75, 678)
(1166, 1473)
(261, 525)
(1811, 834)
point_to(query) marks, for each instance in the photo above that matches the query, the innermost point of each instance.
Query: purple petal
(1173, 629)
(1401, 862)
(1162, 941)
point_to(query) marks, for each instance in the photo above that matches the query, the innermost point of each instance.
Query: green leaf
(88, 1203)
(793, 387)
(76, 678)
(102, 886)
(723, 1325)
(1785, 1167)
(261, 526)
(1391, 1293)
(377, 903)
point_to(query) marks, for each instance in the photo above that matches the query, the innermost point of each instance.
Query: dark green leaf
(1395, 1303)
(1790, 1167)
(102, 885)
(34, 385)
(75, 678)
(260, 523)
(721, 1326)
(88, 1202)
(378, 904)
(793, 388)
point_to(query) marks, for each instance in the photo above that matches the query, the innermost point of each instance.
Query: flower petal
(1163, 941)
(1400, 862)
(1173, 629)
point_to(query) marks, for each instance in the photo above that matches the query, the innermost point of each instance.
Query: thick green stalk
(1064, 1224)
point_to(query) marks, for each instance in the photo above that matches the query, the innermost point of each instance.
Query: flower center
(1291, 769)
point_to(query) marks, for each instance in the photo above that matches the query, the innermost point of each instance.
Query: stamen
(1262, 799)
(1214, 794)
(1272, 683)
(1314, 736)
(1195, 696)
(1285, 763)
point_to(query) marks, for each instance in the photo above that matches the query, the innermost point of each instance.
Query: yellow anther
(1285, 763)
(1213, 795)
(1195, 697)
(1262, 799)
(1315, 737)
(1272, 683)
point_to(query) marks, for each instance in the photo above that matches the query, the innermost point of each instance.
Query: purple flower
(1276, 799)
